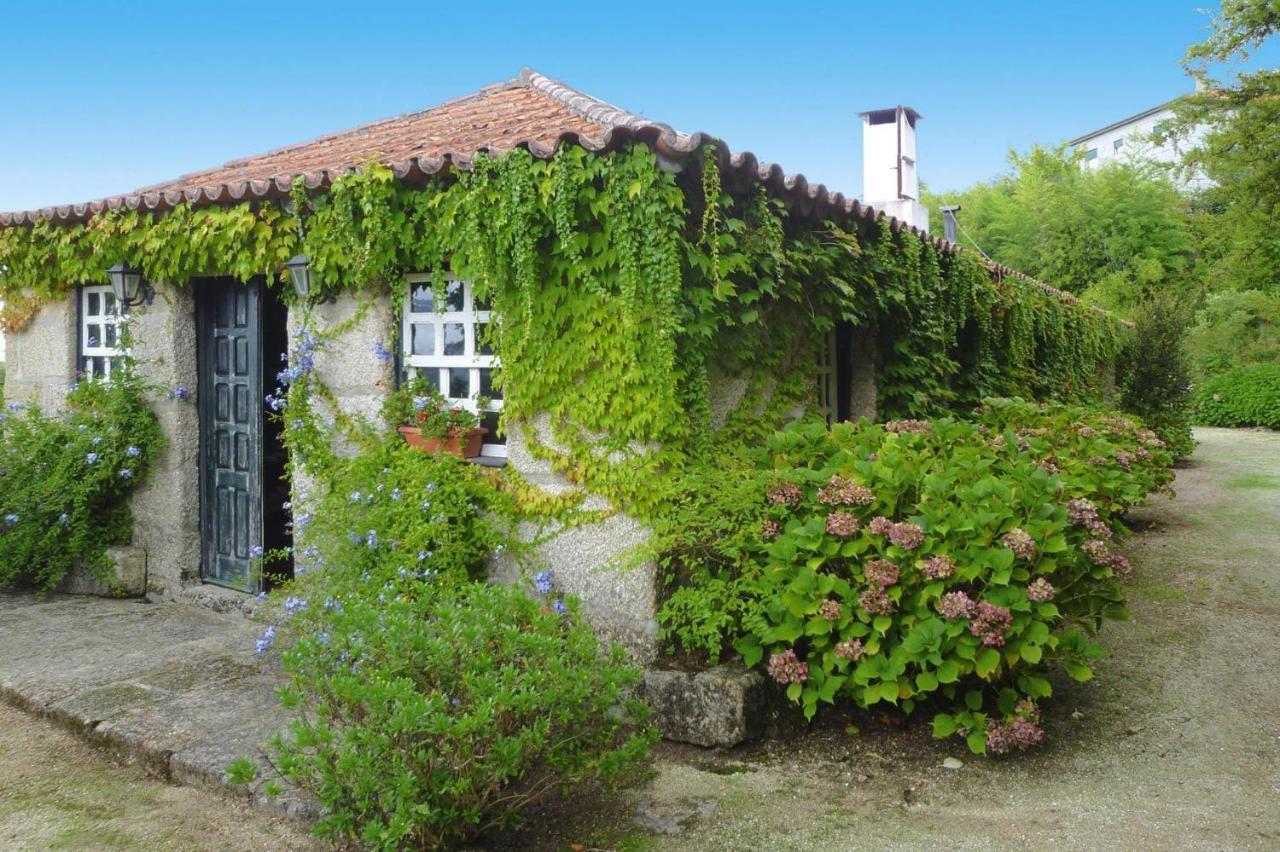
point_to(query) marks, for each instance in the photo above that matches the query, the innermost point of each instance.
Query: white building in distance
(1142, 137)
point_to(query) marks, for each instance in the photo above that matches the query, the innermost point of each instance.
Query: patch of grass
(1161, 593)
(1263, 481)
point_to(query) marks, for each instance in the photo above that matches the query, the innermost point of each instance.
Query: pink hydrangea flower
(843, 524)
(785, 493)
(1120, 564)
(900, 426)
(880, 525)
(938, 567)
(907, 536)
(850, 649)
(875, 601)
(990, 622)
(882, 572)
(785, 668)
(839, 490)
(830, 609)
(956, 605)
(1096, 550)
(1040, 590)
(770, 529)
(1081, 511)
(1020, 543)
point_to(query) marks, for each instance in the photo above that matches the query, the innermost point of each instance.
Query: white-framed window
(828, 395)
(100, 343)
(446, 344)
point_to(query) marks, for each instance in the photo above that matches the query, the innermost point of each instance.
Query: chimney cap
(888, 114)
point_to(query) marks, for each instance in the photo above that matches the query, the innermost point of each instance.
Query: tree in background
(1153, 373)
(1117, 235)
(1241, 151)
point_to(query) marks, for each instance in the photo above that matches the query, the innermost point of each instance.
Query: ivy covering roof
(531, 111)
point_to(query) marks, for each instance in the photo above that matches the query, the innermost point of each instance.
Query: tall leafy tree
(1117, 235)
(1241, 150)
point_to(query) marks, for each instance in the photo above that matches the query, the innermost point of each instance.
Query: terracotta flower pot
(463, 444)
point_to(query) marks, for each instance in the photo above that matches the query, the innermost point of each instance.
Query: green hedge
(1245, 396)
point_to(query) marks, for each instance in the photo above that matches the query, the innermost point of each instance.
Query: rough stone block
(128, 577)
(719, 707)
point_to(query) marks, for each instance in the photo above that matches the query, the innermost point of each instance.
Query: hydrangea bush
(945, 563)
(65, 480)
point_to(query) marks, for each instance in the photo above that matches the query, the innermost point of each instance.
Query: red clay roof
(532, 111)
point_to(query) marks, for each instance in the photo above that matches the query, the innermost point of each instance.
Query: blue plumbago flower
(17, 406)
(180, 392)
(11, 519)
(256, 552)
(355, 537)
(287, 506)
(302, 520)
(426, 504)
(262, 596)
(329, 422)
(323, 639)
(133, 452)
(560, 606)
(64, 518)
(294, 604)
(93, 341)
(96, 441)
(91, 458)
(126, 474)
(261, 646)
(380, 352)
(431, 486)
(356, 497)
(499, 550)
(395, 494)
(380, 488)
(420, 403)
(542, 582)
(422, 556)
(372, 539)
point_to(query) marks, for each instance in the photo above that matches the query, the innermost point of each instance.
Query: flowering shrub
(64, 481)
(417, 402)
(433, 706)
(966, 557)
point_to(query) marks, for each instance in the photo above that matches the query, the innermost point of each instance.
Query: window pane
(87, 367)
(486, 385)
(455, 338)
(459, 383)
(453, 296)
(109, 330)
(424, 338)
(481, 304)
(483, 346)
(94, 339)
(423, 299)
(109, 303)
(95, 305)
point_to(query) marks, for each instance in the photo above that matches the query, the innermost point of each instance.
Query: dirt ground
(1174, 745)
(56, 792)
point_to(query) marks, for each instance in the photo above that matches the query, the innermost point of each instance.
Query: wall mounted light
(300, 271)
(128, 286)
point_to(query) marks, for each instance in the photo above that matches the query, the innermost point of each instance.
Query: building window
(828, 390)
(445, 340)
(1118, 144)
(1091, 155)
(100, 319)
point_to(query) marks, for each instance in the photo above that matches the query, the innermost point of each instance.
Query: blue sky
(104, 97)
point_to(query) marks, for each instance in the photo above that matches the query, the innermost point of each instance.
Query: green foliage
(1235, 328)
(947, 562)
(65, 480)
(1240, 151)
(1153, 374)
(418, 402)
(1115, 234)
(1244, 396)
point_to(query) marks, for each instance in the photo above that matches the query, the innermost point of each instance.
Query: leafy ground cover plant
(65, 480)
(1245, 396)
(431, 705)
(941, 564)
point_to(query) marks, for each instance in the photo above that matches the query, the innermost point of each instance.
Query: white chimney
(889, 181)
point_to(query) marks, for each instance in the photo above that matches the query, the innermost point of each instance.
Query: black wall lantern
(300, 271)
(127, 285)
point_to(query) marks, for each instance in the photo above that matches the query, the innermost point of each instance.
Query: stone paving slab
(174, 687)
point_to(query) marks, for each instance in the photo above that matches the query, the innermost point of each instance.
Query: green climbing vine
(627, 296)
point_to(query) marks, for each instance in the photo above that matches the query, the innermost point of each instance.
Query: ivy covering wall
(618, 284)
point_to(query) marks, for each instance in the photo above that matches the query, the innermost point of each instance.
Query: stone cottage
(215, 341)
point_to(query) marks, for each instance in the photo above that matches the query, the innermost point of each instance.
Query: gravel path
(1175, 744)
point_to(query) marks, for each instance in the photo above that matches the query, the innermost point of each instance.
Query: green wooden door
(231, 429)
